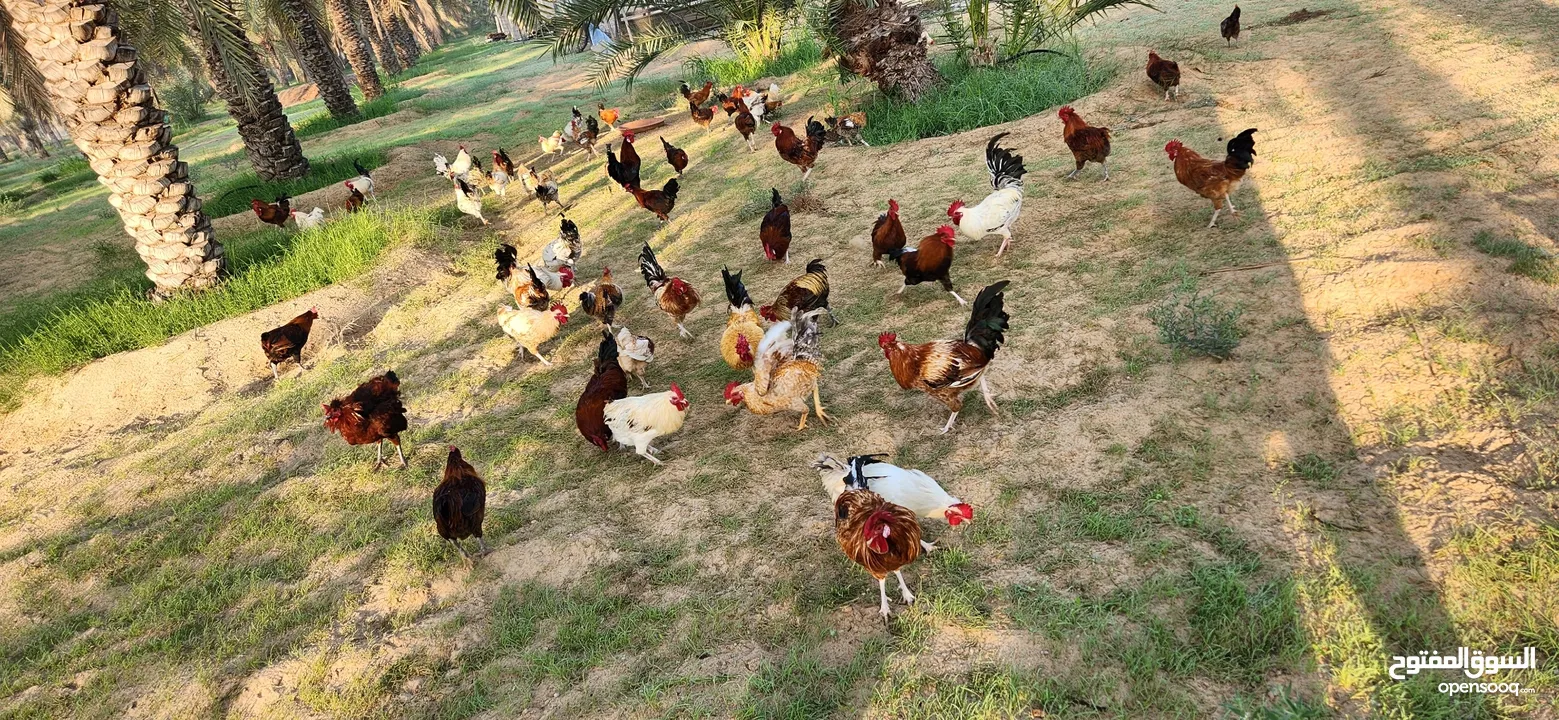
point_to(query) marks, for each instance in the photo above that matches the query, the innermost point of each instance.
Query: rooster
(362, 183)
(1087, 143)
(802, 154)
(675, 297)
(587, 137)
(675, 156)
(575, 126)
(701, 116)
(273, 213)
(765, 106)
(503, 172)
(550, 145)
(661, 202)
(607, 115)
(530, 328)
(371, 414)
(607, 383)
(544, 187)
(746, 124)
(354, 199)
(1230, 27)
(774, 231)
(887, 233)
(931, 260)
(466, 200)
(785, 367)
(565, 250)
(879, 536)
(288, 340)
(619, 173)
(478, 178)
(602, 302)
(636, 422)
(743, 332)
(910, 489)
(846, 129)
(440, 164)
(807, 292)
(634, 353)
(999, 210)
(462, 163)
(460, 503)
(947, 368)
(308, 221)
(629, 159)
(1164, 73)
(697, 98)
(553, 279)
(1211, 179)
(728, 104)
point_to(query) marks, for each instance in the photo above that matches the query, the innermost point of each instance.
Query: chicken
(478, 178)
(802, 154)
(607, 383)
(575, 126)
(565, 250)
(765, 106)
(371, 414)
(697, 98)
(505, 257)
(629, 159)
(784, 369)
(807, 292)
(1164, 73)
(931, 260)
(288, 340)
(999, 210)
(362, 183)
(774, 231)
(550, 145)
(846, 129)
(746, 124)
(634, 353)
(879, 536)
(1087, 143)
(558, 279)
(273, 213)
(620, 173)
(529, 290)
(661, 202)
(947, 368)
(544, 187)
(728, 104)
(636, 422)
(462, 163)
(513, 281)
(742, 332)
(467, 201)
(460, 503)
(503, 172)
(1211, 179)
(354, 199)
(607, 115)
(440, 164)
(309, 221)
(887, 233)
(1230, 27)
(675, 297)
(602, 302)
(910, 489)
(530, 328)
(675, 156)
(588, 135)
(701, 116)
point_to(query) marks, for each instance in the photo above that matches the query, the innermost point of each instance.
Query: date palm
(358, 52)
(315, 54)
(235, 71)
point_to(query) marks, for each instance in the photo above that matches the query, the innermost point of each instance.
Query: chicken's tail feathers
(809, 337)
(1005, 166)
(606, 354)
(650, 268)
(1242, 150)
(816, 266)
(505, 256)
(987, 326)
(393, 378)
(569, 230)
(774, 198)
(359, 168)
(735, 291)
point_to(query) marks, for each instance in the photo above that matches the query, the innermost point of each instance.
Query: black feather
(671, 187)
(1242, 150)
(774, 198)
(856, 477)
(359, 168)
(735, 291)
(988, 321)
(650, 268)
(1006, 167)
(505, 255)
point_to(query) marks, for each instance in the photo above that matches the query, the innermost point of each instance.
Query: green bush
(185, 100)
(233, 195)
(1197, 324)
(728, 71)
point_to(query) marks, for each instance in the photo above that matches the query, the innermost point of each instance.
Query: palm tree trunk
(272, 148)
(27, 132)
(430, 21)
(400, 35)
(358, 53)
(363, 10)
(315, 55)
(101, 95)
(883, 44)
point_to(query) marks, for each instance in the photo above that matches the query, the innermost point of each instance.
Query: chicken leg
(1214, 222)
(683, 331)
(400, 454)
(1006, 239)
(985, 392)
(909, 597)
(955, 297)
(460, 547)
(927, 547)
(949, 425)
(379, 453)
(1106, 167)
(647, 452)
(274, 376)
(882, 594)
(817, 404)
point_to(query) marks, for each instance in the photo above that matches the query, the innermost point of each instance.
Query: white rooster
(462, 163)
(634, 353)
(467, 200)
(912, 489)
(310, 220)
(566, 249)
(636, 421)
(999, 210)
(362, 183)
(530, 327)
(440, 164)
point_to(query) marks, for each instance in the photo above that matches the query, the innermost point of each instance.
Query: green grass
(1526, 260)
(799, 55)
(320, 123)
(267, 268)
(978, 97)
(233, 195)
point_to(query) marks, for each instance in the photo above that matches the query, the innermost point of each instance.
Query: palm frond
(22, 89)
(218, 25)
(627, 58)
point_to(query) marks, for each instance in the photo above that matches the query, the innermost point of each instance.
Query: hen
(354, 199)
(661, 202)
(467, 201)
(535, 319)
(697, 98)
(564, 250)
(1212, 179)
(1087, 143)
(746, 124)
(999, 210)
(460, 503)
(636, 421)
(606, 384)
(807, 292)
(313, 219)
(588, 135)
(1164, 73)
(462, 163)
(931, 260)
(607, 115)
(550, 145)
(628, 157)
(946, 369)
(288, 340)
(602, 302)
(371, 414)
(798, 152)
(634, 353)
(742, 332)
(675, 297)
(879, 536)
(774, 231)
(847, 129)
(544, 187)
(362, 183)
(273, 213)
(785, 367)
(887, 233)
(503, 172)
(911, 489)
(701, 116)
(1230, 27)
(675, 156)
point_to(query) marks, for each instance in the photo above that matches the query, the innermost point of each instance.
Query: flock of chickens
(877, 505)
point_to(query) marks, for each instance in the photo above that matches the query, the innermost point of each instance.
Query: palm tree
(358, 53)
(315, 54)
(400, 33)
(118, 126)
(376, 37)
(239, 79)
(884, 42)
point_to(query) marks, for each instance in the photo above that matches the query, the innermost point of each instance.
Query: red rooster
(1087, 143)
(629, 158)
(661, 202)
(879, 536)
(887, 234)
(675, 297)
(275, 213)
(288, 340)
(931, 260)
(676, 156)
(371, 414)
(606, 384)
(460, 503)
(774, 232)
(802, 154)
(701, 96)
(947, 368)
(1211, 179)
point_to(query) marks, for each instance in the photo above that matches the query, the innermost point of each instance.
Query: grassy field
(1233, 473)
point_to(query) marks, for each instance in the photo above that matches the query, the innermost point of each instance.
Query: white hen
(462, 163)
(999, 210)
(467, 201)
(636, 421)
(634, 353)
(309, 221)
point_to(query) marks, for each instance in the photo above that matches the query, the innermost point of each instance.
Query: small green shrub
(1526, 259)
(1197, 324)
(728, 71)
(185, 100)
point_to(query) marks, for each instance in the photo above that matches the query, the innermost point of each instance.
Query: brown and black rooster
(288, 340)
(371, 414)
(460, 503)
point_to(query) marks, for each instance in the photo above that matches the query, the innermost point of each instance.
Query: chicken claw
(817, 404)
(927, 547)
